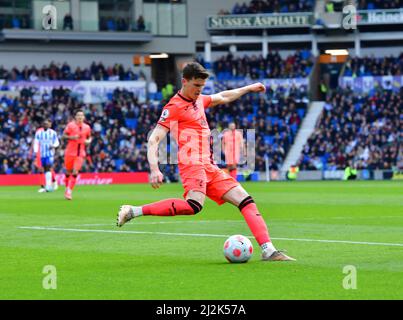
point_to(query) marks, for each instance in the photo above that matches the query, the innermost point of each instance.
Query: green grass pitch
(324, 225)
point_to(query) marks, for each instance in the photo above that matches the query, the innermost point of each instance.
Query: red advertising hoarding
(82, 178)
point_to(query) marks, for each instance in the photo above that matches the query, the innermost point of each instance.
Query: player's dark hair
(77, 111)
(194, 70)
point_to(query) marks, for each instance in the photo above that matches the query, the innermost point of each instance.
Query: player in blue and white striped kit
(45, 142)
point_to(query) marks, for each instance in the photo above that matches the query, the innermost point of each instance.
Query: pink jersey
(188, 124)
(76, 148)
(232, 140)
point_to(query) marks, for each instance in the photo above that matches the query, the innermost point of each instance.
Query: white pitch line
(155, 222)
(130, 232)
(210, 235)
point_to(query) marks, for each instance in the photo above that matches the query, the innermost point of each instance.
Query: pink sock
(72, 182)
(254, 220)
(171, 207)
(66, 180)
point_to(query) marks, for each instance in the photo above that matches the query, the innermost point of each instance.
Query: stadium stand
(118, 144)
(379, 4)
(273, 65)
(363, 130)
(58, 71)
(375, 66)
(120, 126)
(14, 21)
(276, 117)
(261, 6)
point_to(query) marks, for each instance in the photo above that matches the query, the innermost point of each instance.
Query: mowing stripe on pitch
(209, 235)
(158, 222)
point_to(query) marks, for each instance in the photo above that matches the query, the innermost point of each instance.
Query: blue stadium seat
(268, 139)
(158, 96)
(305, 54)
(131, 123)
(301, 113)
(365, 174)
(118, 164)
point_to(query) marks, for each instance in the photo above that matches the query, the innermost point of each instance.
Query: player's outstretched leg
(256, 223)
(168, 207)
(67, 192)
(54, 181)
(258, 227)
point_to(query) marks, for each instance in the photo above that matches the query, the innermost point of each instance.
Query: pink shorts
(73, 163)
(208, 179)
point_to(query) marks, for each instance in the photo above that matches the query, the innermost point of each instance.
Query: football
(238, 248)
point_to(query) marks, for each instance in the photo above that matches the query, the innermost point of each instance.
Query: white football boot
(126, 213)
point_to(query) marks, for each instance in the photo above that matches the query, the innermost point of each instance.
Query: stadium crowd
(373, 66)
(121, 24)
(58, 71)
(379, 4)
(8, 21)
(361, 130)
(271, 6)
(276, 117)
(115, 142)
(120, 127)
(273, 65)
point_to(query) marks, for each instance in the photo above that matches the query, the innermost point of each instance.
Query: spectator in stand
(57, 71)
(273, 6)
(16, 22)
(379, 4)
(121, 125)
(141, 24)
(122, 24)
(259, 67)
(111, 24)
(372, 66)
(275, 116)
(364, 130)
(68, 22)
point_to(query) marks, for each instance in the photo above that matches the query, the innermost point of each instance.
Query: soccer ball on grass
(237, 249)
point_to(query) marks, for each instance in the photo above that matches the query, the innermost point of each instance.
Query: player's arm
(55, 142)
(88, 140)
(66, 134)
(228, 96)
(223, 140)
(68, 137)
(158, 134)
(36, 144)
(243, 147)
